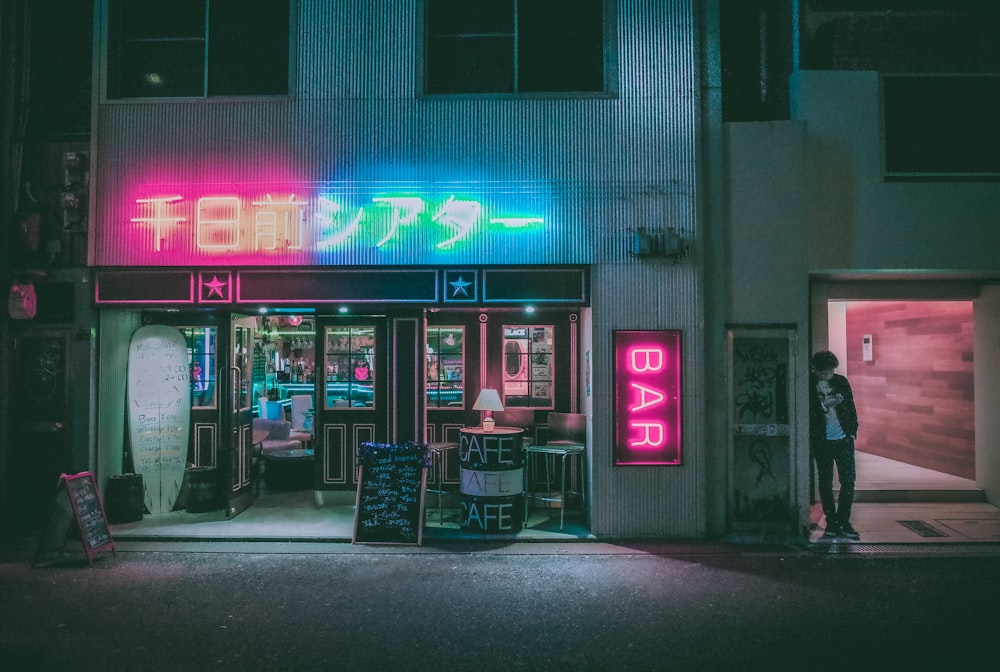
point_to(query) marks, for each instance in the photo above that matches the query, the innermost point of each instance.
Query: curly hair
(824, 360)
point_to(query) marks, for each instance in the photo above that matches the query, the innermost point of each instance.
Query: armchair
(278, 437)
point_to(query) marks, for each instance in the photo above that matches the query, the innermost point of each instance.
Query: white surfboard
(159, 412)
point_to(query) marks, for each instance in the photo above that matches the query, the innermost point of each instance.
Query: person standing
(833, 427)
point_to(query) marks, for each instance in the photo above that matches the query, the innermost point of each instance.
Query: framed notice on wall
(647, 399)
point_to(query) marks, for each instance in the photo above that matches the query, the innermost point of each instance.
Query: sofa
(279, 435)
(286, 462)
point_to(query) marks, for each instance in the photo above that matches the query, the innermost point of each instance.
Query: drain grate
(953, 549)
(921, 528)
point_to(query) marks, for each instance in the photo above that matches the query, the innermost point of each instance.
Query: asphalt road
(524, 607)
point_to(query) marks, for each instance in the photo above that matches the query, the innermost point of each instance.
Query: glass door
(451, 374)
(352, 394)
(236, 466)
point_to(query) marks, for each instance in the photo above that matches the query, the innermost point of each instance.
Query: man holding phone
(833, 427)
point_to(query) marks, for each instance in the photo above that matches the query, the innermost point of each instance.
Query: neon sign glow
(647, 397)
(280, 223)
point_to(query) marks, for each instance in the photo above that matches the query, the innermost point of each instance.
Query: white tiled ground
(945, 503)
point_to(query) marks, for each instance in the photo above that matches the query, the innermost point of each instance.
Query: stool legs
(563, 495)
(580, 476)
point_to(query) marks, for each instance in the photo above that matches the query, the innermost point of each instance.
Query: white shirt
(834, 432)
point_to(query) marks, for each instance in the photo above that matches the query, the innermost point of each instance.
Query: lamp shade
(488, 400)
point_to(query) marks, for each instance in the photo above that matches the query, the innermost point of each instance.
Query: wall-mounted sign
(300, 222)
(647, 375)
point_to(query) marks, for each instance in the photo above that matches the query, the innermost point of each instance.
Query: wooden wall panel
(915, 398)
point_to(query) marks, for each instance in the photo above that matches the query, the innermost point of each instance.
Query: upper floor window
(514, 46)
(941, 126)
(198, 48)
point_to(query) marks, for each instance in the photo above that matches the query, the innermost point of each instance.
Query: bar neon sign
(647, 375)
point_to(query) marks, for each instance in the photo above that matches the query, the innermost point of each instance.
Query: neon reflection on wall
(647, 379)
(229, 223)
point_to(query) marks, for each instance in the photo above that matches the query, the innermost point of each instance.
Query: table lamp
(488, 401)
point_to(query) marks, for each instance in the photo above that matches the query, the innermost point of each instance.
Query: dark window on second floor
(756, 54)
(514, 46)
(941, 126)
(198, 48)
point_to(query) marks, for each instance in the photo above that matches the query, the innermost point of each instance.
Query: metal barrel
(492, 481)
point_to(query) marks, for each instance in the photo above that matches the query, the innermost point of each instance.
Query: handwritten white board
(159, 404)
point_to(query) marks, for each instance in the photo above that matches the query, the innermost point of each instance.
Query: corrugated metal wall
(602, 167)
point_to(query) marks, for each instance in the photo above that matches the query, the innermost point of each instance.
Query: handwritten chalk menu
(159, 412)
(82, 504)
(390, 503)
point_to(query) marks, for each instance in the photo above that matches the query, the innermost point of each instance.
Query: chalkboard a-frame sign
(391, 485)
(82, 504)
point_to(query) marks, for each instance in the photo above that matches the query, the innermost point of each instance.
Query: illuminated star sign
(215, 287)
(460, 286)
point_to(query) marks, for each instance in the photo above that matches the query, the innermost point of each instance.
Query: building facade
(362, 205)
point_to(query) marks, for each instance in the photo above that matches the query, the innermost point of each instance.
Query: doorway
(40, 400)
(395, 376)
(911, 365)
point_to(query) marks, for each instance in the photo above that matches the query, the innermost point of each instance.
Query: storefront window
(446, 367)
(350, 367)
(528, 366)
(201, 361)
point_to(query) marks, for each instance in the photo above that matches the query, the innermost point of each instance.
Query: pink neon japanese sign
(286, 222)
(647, 374)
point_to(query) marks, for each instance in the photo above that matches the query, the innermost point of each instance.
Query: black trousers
(841, 454)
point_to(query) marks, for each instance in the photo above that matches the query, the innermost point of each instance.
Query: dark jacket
(846, 412)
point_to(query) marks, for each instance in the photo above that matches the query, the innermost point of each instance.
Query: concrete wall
(766, 243)
(849, 234)
(986, 312)
(861, 222)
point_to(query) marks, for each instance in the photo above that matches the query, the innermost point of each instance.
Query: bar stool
(566, 438)
(438, 451)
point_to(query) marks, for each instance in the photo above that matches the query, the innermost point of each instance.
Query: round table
(289, 469)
